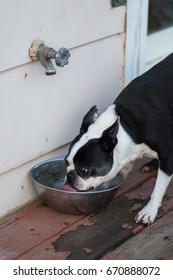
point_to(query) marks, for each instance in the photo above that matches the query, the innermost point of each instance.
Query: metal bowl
(48, 177)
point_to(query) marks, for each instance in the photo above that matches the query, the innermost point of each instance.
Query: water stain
(104, 234)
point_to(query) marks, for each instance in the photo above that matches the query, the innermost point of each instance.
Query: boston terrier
(139, 122)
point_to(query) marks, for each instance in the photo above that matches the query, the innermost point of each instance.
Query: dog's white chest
(143, 150)
(127, 150)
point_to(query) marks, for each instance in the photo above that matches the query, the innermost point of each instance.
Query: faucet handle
(62, 57)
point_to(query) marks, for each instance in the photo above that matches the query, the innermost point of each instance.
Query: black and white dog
(139, 122)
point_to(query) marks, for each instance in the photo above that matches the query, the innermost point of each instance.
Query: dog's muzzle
(71, 176)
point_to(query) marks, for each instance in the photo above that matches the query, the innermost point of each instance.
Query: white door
(149, 36)
(159, 41)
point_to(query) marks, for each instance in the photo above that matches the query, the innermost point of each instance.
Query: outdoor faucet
(44, 54)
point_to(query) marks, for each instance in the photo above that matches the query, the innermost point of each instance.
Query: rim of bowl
(71, 192)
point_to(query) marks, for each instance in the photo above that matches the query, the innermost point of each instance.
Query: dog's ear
(109, 137)
(89, 118)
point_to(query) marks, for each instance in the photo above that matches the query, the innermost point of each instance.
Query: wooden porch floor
(38, 232)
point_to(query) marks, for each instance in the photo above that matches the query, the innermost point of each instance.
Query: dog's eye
(84, 171)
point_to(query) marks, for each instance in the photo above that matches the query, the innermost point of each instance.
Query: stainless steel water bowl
(48, 177)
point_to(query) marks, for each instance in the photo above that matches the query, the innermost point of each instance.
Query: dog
(139, 122)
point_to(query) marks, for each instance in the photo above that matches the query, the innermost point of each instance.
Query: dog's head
(91, 160)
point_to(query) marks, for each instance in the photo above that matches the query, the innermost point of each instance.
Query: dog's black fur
(139, 121)
(145, 108)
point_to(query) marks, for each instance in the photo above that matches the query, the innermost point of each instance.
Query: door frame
(142, 51)
(136, 34)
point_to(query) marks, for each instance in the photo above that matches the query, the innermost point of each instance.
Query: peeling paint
(135, 207)
(99, 233)
(87, 250)
(142, 192)
(126, 226)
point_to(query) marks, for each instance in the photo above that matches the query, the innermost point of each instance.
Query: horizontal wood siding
(57, 22)
(40, 113)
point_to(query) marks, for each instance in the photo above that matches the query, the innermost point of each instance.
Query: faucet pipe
(44, 54)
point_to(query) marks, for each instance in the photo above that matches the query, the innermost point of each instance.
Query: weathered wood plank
(91, 237)
(155, 242)
(38, 232)
(30, 226)
(95, 235)
(19, 214)
(21, 233)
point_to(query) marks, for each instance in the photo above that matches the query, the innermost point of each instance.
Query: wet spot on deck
(108, 230)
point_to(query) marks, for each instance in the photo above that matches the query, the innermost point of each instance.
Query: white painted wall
(57, 22)
(39, 113)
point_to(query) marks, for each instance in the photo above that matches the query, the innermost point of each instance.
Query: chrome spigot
(44, 54)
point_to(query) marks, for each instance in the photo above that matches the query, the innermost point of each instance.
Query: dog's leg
(150, 166)
(148, 214)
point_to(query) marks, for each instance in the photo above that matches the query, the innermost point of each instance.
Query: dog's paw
(148, 214)
(150, 166)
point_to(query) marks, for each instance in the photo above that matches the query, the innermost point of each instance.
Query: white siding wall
(40, 113)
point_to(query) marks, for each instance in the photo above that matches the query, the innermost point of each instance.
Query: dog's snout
(71, 175)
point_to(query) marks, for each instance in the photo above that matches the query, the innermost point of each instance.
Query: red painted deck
(38, 232)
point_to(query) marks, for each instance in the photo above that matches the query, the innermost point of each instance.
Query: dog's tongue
(69, 188)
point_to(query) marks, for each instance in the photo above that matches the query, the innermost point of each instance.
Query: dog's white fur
(125, 152)
(95, 130)
(149, 212)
